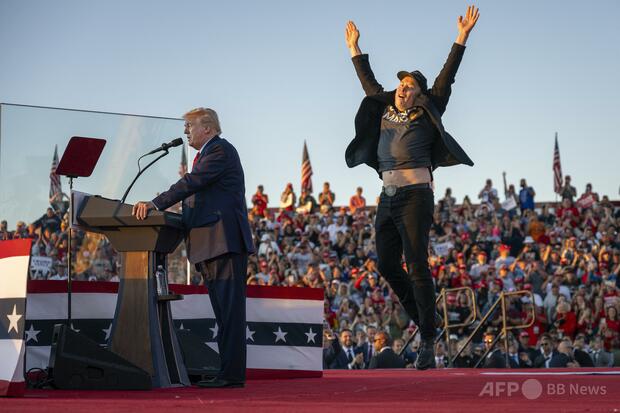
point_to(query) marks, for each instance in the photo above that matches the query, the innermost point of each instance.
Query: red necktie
(195, 160)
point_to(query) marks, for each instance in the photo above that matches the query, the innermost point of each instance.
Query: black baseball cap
(417, 75)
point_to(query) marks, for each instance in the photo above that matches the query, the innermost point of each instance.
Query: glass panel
(28, 138)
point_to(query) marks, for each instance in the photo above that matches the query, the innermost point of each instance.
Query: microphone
(165, 146)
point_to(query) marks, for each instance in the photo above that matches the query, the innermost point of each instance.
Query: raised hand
(466, 24)
(352, 36)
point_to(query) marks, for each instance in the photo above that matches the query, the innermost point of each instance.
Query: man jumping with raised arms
(400, 135)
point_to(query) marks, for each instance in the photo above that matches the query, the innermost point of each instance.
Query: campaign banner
(40, 267)
(443, 249)
(14, 260)
(509, 204)
(586, 201)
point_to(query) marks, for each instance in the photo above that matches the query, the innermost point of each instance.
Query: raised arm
(360, 61)
(442, 88)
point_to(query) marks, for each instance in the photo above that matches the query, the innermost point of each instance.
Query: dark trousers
(225, 278)
(402, 225)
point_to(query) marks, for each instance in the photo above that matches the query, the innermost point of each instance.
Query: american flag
(557, 167)
(306, 171)
(14, 259)
(183, 166)
(55, 185)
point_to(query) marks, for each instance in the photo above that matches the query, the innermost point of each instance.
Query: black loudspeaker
(200, 359)
(77, 362)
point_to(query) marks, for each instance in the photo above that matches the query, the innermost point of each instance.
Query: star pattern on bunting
(107, 332)
(214, 330)
(74, 329)
(310, 334)
(13, 319)
(280, 335)
(249, 334)
(31, 334)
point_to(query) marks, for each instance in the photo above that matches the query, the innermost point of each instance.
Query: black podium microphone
(165, 146)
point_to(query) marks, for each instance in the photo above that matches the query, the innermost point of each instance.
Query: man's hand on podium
(141, 209)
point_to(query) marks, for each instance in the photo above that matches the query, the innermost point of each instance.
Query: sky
(279, 73)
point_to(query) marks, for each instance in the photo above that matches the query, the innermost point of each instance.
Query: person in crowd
(546, 353)
(357, 201)
(568, 191)
(385, 357)
(495, 358)
(600, 356)
(260, 200)
(326, 199)
(287, 199)
(526, 196)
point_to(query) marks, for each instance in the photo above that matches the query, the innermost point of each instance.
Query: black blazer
(386, 359)
(363, 149)
(495, 360)
(334, 357)
(539, 361)
(214, 210)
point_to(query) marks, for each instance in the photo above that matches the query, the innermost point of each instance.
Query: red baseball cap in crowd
(462, 267)
(451, 298)
(460, 255)
(504, 247)
(482, 253)
(499, 282)
(524, 334)
(354, 271)
(527, 286)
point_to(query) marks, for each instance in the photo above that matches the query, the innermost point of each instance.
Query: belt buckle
(390, 190)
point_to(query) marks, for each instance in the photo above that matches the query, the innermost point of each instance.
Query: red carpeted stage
(449, 390)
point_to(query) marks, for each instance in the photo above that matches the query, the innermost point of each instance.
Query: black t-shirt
(406, 139)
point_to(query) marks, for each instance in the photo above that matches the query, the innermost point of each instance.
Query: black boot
(426, 355)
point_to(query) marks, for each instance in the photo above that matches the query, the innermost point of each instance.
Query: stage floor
(448, 390)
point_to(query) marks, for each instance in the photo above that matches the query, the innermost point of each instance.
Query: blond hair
(206, 117)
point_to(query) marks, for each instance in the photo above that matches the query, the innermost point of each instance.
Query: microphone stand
(141, 171)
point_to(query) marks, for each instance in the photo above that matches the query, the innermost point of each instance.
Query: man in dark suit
(343, 354)
(546, 354)
(495, 359)
(568, 356)
(401, 136)
(384, 357)
(368, 348)
(218, 236)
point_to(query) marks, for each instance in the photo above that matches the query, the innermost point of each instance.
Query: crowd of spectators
(566, 254)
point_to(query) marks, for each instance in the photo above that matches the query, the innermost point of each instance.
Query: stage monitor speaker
(200, 359)
(77, 362)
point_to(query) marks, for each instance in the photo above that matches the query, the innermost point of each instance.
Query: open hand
(465, 24)
(352, 36)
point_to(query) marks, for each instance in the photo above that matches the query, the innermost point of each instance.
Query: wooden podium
(142, 330)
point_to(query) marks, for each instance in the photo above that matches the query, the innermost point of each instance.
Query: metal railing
(446, 321)
(501, 301)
